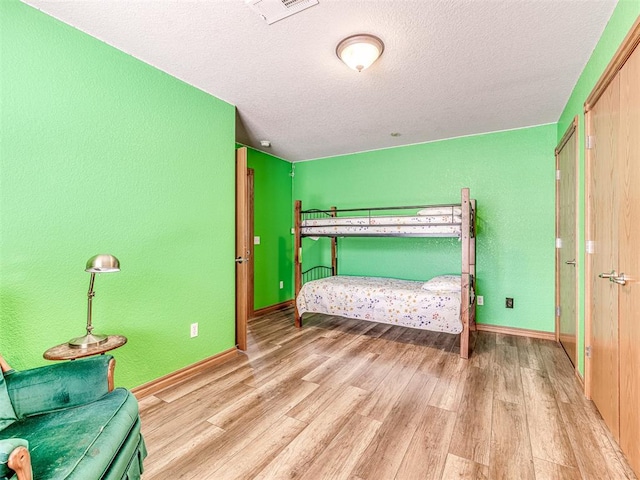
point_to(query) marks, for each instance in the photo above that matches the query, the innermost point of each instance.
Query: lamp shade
(360, 51)
(103, 263)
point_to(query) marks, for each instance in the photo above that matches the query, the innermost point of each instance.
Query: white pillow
(444, 283)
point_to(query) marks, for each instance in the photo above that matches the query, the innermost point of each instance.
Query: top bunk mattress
(443, 221)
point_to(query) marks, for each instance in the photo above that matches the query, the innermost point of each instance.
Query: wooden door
(603, 249)
(566, 252)
(242, 248)
(629, 261)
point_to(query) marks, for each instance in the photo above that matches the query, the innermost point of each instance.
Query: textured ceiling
(450, 68)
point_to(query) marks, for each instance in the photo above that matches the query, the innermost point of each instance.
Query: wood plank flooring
(345, 399)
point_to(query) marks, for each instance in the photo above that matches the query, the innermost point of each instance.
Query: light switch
(256, 240)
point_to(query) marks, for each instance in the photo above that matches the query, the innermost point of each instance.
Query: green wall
(101, 153)
(511, 174)
(619, 24)
(273, 260)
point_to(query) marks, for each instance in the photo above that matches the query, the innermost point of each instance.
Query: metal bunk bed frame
(468, 249)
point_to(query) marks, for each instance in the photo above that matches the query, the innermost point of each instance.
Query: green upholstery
(75, 428)
(60, 385)
(7, 414)
(129, 461)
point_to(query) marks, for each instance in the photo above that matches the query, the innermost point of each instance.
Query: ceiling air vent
(274, 10)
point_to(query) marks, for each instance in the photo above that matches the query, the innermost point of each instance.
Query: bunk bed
(445, 303)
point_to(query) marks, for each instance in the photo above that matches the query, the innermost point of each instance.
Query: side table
(65, 352)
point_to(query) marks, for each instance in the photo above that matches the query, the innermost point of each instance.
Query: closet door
(629, 244)
(603, 205)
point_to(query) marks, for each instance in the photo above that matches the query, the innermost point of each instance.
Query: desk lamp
(98, 264)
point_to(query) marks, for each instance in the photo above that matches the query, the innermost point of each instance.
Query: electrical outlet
(480, 300)
(281, 284)
(194, 330)
(508, 302)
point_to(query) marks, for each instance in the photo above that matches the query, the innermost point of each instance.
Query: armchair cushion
(6, 447)
(99, 430)
(7, 414)
(57, 386)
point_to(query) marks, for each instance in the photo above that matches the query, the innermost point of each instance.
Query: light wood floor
(343, 399)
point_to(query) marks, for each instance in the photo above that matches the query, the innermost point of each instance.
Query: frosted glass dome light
(360, 51)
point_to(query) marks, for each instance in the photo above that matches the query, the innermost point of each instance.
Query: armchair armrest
(61, 385)
(14, 456)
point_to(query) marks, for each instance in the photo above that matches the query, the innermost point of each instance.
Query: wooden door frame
(588, 334)
(628, 45)
(571, 130)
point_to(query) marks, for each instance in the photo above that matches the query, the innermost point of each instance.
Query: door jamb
(572, 129)
(251, 232)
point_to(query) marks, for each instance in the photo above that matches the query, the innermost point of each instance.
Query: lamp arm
(90, 296)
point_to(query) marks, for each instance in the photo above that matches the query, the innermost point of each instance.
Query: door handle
(571, 262)
(614, 277)
(244, 259)
(620, 279)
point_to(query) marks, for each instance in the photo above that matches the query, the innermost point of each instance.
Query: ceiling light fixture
(360, 51)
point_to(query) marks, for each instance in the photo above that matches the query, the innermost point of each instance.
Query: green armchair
(66, 421)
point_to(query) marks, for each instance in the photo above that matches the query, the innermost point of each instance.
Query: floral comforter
(384, 300)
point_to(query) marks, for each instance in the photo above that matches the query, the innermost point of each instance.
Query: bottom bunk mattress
(385, 300)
